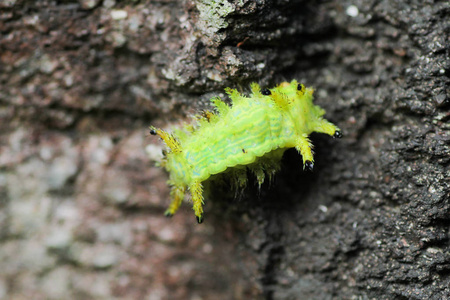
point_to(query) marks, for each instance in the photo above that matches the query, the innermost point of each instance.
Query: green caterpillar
(253, 133)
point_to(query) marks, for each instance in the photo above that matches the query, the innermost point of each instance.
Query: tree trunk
(81, 202)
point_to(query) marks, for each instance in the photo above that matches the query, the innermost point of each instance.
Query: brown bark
(81, 204)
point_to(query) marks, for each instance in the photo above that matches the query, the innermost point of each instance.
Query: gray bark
(81, 203)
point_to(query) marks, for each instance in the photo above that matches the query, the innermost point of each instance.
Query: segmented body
(254, 132)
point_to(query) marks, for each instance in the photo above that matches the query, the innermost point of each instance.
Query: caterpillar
(251, 134)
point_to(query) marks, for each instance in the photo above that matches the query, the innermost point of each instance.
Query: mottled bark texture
(81, 207)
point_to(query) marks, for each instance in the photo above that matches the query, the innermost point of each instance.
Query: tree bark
(81, 202)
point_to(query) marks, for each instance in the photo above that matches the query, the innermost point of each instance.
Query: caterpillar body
(252, 133)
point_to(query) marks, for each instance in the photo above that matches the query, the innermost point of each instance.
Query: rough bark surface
(81, 204)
